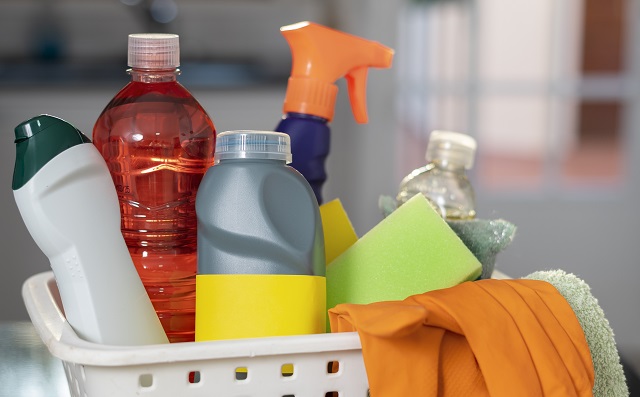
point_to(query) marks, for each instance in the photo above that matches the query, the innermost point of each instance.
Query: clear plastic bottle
(444, 181)
(158, 142)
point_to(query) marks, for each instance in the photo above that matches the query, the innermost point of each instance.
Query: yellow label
(232, 306)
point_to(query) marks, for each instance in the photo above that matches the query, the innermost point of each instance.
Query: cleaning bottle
(158, 142)
(66, 198)
(320, 57)
(261, 262)
(444, 181)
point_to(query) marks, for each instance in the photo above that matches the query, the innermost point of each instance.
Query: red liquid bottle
(158, 142)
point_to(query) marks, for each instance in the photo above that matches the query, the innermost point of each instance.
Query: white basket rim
(41, 299)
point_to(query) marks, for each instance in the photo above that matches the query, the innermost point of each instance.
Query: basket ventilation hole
(194, 377)
(242, 373)
(332, 394)
(333, 367)
(146, 380)
(286, 370)
(289, 395)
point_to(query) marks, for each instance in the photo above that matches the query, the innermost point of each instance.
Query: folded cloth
(486, 338)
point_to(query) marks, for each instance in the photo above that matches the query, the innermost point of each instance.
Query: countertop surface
(27, 369)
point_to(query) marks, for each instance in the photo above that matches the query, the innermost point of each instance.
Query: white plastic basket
(322, 364)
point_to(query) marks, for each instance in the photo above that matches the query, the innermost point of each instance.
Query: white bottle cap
(253, 145)
(154, 51)
(451, 146)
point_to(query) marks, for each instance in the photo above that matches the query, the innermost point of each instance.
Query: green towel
(609, 376)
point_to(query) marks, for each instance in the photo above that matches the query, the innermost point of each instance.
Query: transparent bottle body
(158, 142)
(447, 188)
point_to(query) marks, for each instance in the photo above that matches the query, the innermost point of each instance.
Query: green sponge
(411, 251)
(485, 238)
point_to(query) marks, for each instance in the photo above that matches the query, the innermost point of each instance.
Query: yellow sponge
(338, 231)
(411, 251)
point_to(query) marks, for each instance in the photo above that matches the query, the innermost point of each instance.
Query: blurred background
(550, 90)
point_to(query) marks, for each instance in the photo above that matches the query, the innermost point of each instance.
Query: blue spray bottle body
(310, 140)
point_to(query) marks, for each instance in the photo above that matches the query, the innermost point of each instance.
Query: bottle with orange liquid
(158, 142)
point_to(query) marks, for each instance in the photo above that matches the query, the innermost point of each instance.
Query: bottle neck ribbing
(447, 165)
(154, 75)
(264, 161)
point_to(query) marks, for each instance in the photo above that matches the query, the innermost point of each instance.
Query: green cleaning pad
(486, 238)
(411, 251)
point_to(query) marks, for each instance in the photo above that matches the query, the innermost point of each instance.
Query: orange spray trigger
(320, 57)
(357, 85)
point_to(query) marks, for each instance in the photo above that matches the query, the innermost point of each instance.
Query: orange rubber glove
(498, 338)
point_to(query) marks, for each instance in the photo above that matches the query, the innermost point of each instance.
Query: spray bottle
(320, 57)
(69, 204)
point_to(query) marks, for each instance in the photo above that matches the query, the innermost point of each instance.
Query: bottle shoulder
(449, 190)
(418, 173)
(436, 179)
(237, 175)
(148, 112)
(254, 169)
(431, 172)
(137, 89)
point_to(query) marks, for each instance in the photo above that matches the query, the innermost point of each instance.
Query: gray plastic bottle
(256, 215)
(261, 261)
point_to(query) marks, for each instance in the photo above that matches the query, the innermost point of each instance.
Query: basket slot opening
(194, 377)
(332, 394)
(333, 367)
(242, 373)
(289, 395)
(145, 380)
(287, 370)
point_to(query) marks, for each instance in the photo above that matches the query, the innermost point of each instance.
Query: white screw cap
(451, 146)
(248, 144)
(154, 51)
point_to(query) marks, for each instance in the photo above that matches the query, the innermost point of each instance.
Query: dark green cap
(38, 140)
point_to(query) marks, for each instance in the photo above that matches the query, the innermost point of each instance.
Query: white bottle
(68, 202)
(443, 181)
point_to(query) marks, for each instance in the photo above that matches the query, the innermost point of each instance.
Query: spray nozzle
(320, 57)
